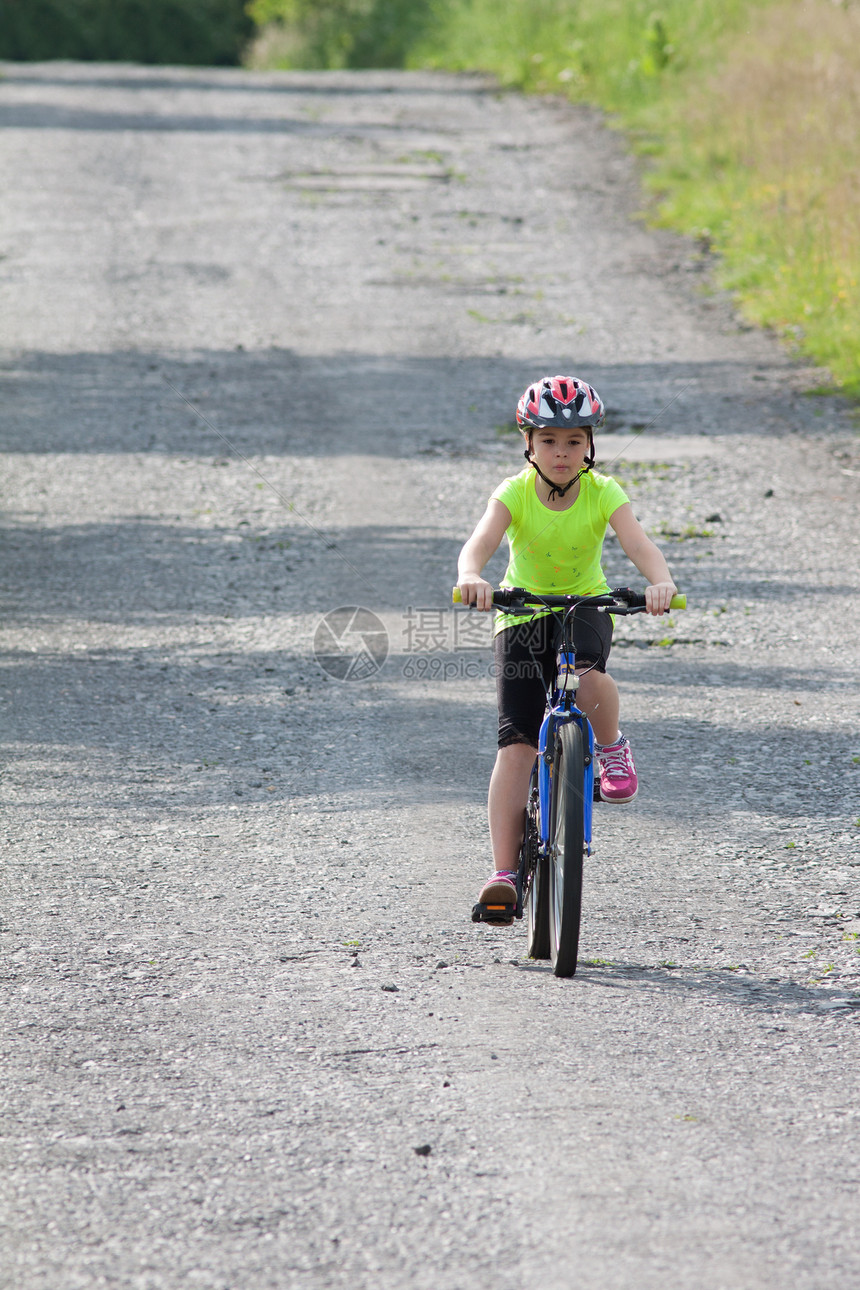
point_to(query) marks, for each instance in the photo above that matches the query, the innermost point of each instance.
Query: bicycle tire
(566, 849)
(538, 912)
(537, 907)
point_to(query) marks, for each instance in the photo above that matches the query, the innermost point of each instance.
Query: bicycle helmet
(560, 403)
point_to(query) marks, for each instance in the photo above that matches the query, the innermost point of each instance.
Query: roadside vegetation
(205, 32)
(746, 112)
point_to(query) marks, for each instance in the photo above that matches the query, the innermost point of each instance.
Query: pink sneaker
(501, 889)
(618, 779)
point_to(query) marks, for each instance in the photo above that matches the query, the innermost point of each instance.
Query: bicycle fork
(564, 709)
(546, 769)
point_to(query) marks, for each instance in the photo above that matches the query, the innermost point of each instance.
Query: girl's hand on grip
(476, 591)
(658, 597)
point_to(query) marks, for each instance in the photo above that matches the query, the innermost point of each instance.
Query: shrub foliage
(203, 32)
(347, 33)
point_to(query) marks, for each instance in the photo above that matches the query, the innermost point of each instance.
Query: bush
(345, 33)
(202, 32)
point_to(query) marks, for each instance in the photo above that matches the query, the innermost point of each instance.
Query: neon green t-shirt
(557, 552)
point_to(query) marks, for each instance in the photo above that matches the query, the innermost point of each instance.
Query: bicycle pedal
(501, 915)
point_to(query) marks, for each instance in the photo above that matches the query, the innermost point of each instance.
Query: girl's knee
(516, 750)
(596, 680)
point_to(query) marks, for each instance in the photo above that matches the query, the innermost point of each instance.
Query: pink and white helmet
(561, 402)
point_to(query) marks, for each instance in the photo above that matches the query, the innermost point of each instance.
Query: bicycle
(562, 790)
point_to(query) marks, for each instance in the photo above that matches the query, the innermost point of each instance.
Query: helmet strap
(556, 490)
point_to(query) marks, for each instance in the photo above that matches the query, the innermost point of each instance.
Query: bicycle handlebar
(621, 600)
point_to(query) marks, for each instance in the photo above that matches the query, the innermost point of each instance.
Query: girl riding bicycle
(554, 513)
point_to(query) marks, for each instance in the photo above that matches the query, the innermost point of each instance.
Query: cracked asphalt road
(262, 337)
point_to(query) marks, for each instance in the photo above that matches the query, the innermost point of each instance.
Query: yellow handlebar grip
(679, 601)
(456, 598)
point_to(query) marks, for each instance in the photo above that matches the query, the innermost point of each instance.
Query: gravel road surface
(262, 338)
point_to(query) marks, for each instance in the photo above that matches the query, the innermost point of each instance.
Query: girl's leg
(616, 770)
(506, 804)
(598, 698)
(524, 657)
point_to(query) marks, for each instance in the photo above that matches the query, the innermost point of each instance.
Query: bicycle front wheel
(567, 848)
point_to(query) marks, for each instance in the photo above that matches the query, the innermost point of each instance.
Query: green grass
(618, 53)
(744, 112)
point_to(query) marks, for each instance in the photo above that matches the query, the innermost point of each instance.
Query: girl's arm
(483, 543)
(647, 557)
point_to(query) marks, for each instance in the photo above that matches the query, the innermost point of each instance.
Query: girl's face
(560, 454)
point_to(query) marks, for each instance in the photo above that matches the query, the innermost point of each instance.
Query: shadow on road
(226, 81)
(770, 997)
(278, 401)
(189, 709)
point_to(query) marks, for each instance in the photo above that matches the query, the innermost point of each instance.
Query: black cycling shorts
(525, 665)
